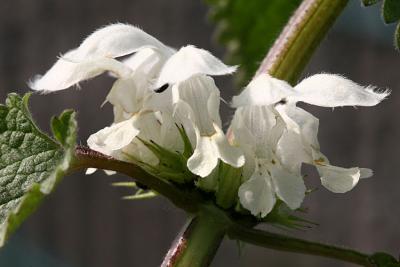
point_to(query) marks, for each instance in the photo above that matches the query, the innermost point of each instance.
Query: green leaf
(31, 163)
(381, 259)
(370, 2)
(391, 11)
(249, 28)
(390, 14)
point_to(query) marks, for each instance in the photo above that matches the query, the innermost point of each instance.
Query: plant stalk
(291, 244)
(197, 243)
(305, 30)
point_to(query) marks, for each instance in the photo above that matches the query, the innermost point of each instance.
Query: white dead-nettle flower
(159, 89)
(278, 137)
(190, 99)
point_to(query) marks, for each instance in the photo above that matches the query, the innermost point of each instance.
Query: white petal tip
(379, 94)
(366, 173)
(90, 171)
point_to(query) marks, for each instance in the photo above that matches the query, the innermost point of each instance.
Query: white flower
(257, 130)
(195, 95)
(287, 135)
(190, 98)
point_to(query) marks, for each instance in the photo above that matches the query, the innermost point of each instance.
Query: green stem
(286, 243)
(198, 242)
(301, 36)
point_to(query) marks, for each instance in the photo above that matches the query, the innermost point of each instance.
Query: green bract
(31, 163)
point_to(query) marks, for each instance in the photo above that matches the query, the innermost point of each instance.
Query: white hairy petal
(95, 55)
(190, 61)
(117, 40)
(330, 90)
(264, 90)
(67, 72)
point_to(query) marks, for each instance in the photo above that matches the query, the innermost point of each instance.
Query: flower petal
(114, 137)
(66, 73)
(292, 152)
(330, 90)
(337, 179)
(117, 40)
(211, 148)
(95, 55)
(202, 96)
(263, 90)
(288, 186)
(227, 153)
(190, 61)
(90, 171)
(147, 61)
(204, 158)
(366, 173)
(257, 195)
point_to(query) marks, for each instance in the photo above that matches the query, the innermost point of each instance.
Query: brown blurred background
(84, 223)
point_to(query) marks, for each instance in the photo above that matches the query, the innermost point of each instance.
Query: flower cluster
(166, 117)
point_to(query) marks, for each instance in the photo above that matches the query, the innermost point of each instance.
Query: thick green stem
(301, 36)
(198, 242)
(286, 243)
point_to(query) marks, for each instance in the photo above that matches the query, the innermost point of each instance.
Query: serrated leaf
(31, 163)
(249, 28)
(370, 2)
(391, 11)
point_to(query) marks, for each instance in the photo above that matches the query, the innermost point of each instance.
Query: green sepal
(171, 166)
(187, 146)
(31, 163)
(229, 180)
(210, 182)
(282, 217)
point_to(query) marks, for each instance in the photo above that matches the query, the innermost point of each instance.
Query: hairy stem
(197, 243)
(301, 36)
(286, 243)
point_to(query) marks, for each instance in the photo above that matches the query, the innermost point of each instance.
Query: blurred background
(84, 223)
